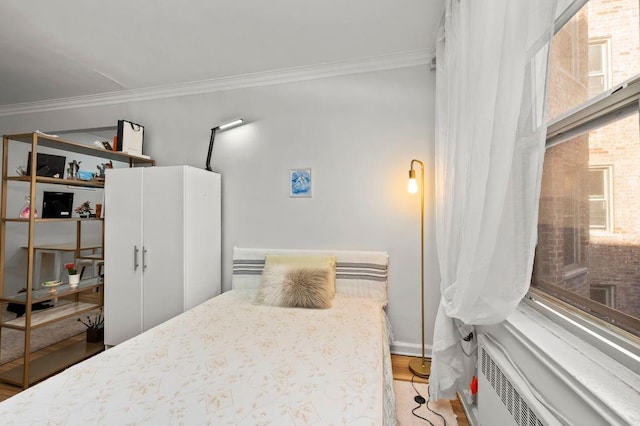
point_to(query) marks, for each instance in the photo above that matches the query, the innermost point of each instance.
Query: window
(568, 66)
(569, 204)
(589, 212)
(592, 53)
(580, 257)
(599, 75)
(600, 205)
(603, 294)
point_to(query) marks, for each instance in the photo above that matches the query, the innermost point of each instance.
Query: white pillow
(358, 273)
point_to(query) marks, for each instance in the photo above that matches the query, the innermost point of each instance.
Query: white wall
(357, 132)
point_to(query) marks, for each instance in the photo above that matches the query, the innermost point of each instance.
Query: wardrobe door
(163, 244)
(122, 249)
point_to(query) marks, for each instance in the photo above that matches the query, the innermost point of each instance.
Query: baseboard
(409, 349)
(470, 409)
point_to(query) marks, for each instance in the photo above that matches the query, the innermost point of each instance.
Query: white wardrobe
(162, 246)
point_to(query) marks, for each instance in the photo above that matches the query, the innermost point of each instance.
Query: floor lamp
(420, 366)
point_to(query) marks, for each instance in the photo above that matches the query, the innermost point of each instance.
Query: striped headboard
(358, 273)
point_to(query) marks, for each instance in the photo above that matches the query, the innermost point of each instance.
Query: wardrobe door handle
(135, 258)
(144, 258)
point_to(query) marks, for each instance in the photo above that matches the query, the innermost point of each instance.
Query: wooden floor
(7, 390)
(399, 365)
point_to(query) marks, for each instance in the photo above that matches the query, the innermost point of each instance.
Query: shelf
(47, 316)
(56, 181)
(67, 145)
(45, 220)
(96, 256)
(44, 294)
(48, 365)
(71, 307)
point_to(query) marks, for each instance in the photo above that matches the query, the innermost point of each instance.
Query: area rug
(438, 413)
(12, 341)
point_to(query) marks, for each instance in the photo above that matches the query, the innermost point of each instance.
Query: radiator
(503, 395)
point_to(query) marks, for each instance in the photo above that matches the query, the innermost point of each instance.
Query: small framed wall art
(300, 183)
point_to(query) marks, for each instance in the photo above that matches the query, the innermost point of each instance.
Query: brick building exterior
(614, 255)
(589, 215)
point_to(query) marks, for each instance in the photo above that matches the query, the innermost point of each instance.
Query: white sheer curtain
(490, 130)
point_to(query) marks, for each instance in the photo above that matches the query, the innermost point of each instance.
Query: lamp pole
(420, 367)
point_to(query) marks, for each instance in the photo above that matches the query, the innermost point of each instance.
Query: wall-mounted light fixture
(225, 126)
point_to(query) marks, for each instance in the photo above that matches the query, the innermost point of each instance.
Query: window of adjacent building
(592, 53)
(604, 294)
(570, 209)
(599, 75)
(588, 248)
(600, 203)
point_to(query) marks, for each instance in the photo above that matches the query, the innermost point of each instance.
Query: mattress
(230, 361)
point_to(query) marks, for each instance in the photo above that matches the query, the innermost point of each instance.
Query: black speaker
(57, 204)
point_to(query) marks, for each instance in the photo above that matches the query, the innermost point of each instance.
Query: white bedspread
(229, 361)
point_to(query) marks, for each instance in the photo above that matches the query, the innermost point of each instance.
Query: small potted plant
(74, 276)
(95, 327)
(84, 209)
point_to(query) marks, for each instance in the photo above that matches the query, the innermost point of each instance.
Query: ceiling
(68, 48)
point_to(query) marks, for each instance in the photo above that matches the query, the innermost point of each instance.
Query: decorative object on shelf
(21, 171)
(84, 209)
(47, 165)
(98, 210)
(26, 209)
(420, 366)
(57, 204)
(130, 137)
(74, 280)
(228, 125)
(73, 169)
(101, 169)
(74, 276)
(51, 285)
(95, 335)
(85, 175)
(103, 145)
(95, 327)
(299, 183)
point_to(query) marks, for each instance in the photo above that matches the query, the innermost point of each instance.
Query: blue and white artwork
(300, 183)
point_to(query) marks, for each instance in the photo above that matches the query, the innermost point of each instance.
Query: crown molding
(282, 76)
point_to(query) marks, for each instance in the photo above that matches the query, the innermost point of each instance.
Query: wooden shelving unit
(31, 372)
(52, 363)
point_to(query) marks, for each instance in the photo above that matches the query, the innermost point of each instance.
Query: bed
(232, 360)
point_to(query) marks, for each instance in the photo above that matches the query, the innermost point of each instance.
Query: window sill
(574, 374)
(573, 271)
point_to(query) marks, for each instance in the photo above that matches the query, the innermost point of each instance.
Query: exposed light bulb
(413, 186)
